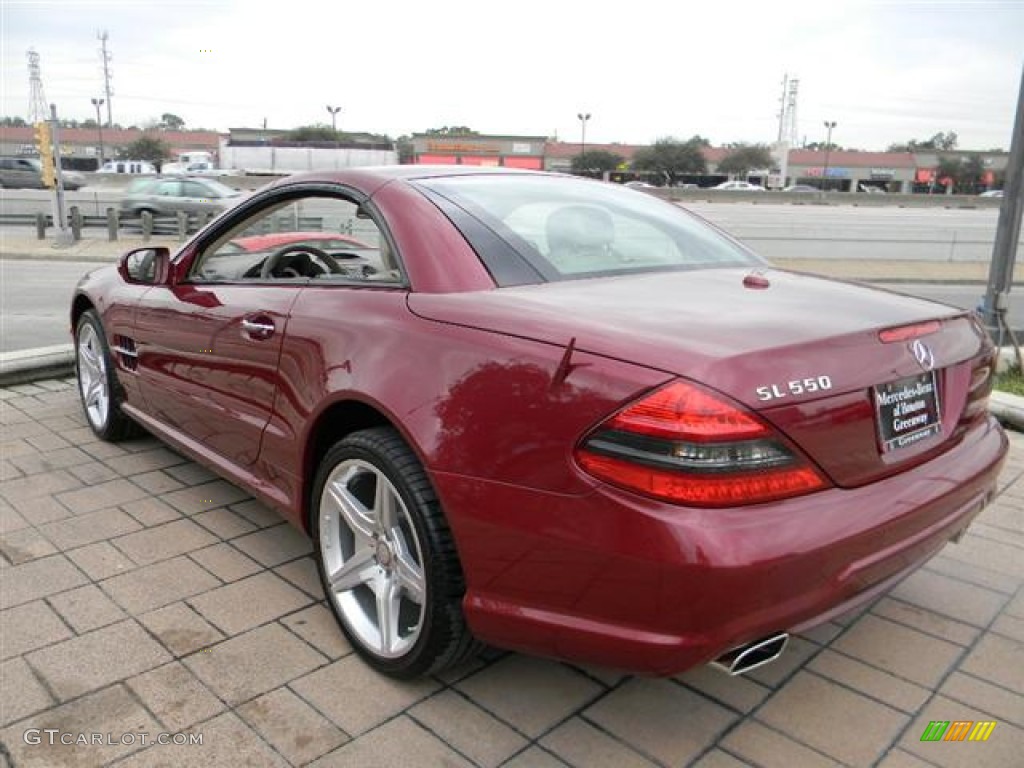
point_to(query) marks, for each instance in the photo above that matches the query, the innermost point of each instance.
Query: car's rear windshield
(562, 228)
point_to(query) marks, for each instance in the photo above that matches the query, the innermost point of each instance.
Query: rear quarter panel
(469, 402)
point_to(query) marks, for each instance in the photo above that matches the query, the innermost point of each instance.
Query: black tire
(92, 353)
(441, 638)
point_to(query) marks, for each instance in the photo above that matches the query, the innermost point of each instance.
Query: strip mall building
(507, 151)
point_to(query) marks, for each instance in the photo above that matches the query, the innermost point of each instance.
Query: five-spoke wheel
(386, 558)
(373, 559)
(97, 383)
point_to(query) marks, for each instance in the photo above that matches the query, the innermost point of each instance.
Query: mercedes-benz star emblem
(923, 354)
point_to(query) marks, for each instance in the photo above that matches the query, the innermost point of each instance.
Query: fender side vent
(127, 356)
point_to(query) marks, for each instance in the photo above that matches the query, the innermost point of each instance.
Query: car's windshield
(573, 228)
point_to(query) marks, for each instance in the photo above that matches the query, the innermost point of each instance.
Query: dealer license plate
(908, 411)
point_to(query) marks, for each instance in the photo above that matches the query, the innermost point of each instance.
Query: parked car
(738, 186)
(639, 185)
(871, 189)
(162, 196)
(526, 419)
(800, 188)
(27, 172)
(992, 193)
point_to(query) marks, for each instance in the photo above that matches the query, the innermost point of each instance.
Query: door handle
(260, 327)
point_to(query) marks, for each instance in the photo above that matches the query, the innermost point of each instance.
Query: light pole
(99, 127)
(334, 117)
(583, 116)
(830, 124)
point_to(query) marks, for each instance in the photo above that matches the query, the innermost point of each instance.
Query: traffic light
(45, 147)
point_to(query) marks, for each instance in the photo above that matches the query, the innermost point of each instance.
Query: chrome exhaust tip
(740, 660)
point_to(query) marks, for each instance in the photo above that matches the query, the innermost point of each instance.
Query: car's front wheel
(386, 556)
(97, 383)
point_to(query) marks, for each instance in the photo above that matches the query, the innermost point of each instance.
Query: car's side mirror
(146, 266)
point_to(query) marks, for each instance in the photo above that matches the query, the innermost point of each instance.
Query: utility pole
(334, 118)
(829, 124)
(59, 219)
(583, 118)
(99, 127)
(105, 56)
(1004, 252)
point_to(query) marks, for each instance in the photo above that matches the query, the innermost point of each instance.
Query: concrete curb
(27, 365)
(1009, 409)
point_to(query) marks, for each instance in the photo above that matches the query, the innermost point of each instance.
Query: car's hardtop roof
(372, 177)
(427, 171)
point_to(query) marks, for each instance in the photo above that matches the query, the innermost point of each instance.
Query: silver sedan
(168, 196)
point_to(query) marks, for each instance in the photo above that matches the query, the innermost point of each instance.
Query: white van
(196, 163)
(127, 166)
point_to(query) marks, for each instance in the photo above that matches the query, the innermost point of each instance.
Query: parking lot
(140, 596)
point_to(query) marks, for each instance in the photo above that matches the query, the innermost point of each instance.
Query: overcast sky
(884, 71)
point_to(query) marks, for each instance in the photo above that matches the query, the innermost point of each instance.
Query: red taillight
(907, 332)
(686, 445)
(680, 409)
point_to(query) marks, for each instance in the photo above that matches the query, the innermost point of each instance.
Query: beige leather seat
(580, 238)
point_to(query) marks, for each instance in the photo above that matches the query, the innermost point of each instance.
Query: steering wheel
(271, 262)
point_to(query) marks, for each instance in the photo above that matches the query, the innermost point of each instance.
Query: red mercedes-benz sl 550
(547, 413)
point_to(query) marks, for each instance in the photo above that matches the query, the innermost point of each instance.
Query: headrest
(577, 227)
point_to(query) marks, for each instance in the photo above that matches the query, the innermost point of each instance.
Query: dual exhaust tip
(745, 658)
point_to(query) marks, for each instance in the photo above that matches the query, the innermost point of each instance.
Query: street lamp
(334, 117)
(830, 124)
(583, 135)
(99, 127)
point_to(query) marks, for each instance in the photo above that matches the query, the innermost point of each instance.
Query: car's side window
(169, 189)
(191, 189)
(313, 238)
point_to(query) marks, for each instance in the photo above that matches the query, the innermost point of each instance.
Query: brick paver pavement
(140, 595)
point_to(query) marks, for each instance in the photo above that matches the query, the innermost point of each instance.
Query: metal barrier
(180, 224)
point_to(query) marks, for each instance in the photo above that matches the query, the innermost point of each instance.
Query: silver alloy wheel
(372, 558)
(92, 376)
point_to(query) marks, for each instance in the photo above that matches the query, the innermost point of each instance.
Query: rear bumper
(613, 579)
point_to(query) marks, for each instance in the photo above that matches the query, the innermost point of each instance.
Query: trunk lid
(761, 346)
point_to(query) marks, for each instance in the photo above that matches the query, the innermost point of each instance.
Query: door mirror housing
(146, 266)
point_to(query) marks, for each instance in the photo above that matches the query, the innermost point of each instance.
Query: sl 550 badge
(794, 388)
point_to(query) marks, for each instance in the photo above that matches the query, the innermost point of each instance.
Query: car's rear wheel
(98, 387)
(386, 556)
